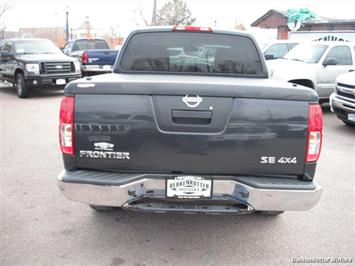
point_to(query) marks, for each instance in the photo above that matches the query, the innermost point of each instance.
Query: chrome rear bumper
(125, 190)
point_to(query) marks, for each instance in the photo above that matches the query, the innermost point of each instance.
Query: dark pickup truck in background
(200, 136)
(95, 55)
(30, 63)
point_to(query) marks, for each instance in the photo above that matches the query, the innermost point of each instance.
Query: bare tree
(113, 31)
(142, 17)
(174, 12)
(4, 7)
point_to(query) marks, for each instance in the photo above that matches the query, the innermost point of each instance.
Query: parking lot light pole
(67, 24)
(154, 17)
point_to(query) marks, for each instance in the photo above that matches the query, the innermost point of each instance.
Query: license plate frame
(60, 82)
(188, 187)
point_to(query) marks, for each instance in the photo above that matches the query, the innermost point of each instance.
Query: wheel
(323, 101)
(270, 213)
(100, 208)
(348, 123)
(22, 90)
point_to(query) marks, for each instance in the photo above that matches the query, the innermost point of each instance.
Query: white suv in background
(315, 65)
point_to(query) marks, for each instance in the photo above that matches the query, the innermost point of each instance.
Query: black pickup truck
(211, 135)
(30, 63)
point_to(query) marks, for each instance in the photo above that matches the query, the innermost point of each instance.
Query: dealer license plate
(188, 187)
(351, 117)
(60, 81)
(107, 67)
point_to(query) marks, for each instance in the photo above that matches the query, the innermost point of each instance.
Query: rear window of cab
(191, 52)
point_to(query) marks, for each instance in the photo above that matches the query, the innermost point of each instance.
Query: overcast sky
(125, 14)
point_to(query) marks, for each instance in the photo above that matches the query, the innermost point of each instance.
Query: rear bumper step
(162, 207)
(248, 193)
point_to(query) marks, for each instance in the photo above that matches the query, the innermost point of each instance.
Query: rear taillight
(315, 126)
(84, 57)
(66, 125)
(191, 28)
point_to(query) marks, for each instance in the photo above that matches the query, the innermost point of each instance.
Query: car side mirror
(330, 62)
(269, 56)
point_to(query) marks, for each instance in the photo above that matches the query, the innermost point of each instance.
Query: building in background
(9, 34)
(55, 34)
(277, 19)
(87, 31)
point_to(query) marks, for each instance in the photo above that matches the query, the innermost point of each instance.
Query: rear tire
(100, 208)
(22, 90)
(270, 213)
(323, 101)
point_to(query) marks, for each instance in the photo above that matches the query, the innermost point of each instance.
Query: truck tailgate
(101, 57)
(161, 133)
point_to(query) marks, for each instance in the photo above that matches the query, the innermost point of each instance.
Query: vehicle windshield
(36, 47)
(308, 53)
(191, 52)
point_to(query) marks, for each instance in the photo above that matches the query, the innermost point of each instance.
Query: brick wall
(282, 33)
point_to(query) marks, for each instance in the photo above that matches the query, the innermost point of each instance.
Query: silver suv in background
(315, 65)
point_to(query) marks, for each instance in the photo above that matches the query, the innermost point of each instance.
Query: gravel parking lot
(38, 226)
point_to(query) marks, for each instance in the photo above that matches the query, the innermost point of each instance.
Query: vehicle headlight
(77, 66)
(34, 68)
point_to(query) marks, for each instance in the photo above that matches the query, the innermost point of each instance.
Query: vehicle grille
(346, 85)
(57, 67)
(344, 94)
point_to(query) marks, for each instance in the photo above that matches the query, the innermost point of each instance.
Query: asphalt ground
(39, 226)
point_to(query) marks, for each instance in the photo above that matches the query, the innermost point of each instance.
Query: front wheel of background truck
(270, 213)
(22, 90)
(348, 123)
(100, 208)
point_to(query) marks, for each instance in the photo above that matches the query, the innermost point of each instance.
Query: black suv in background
(29, 63)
